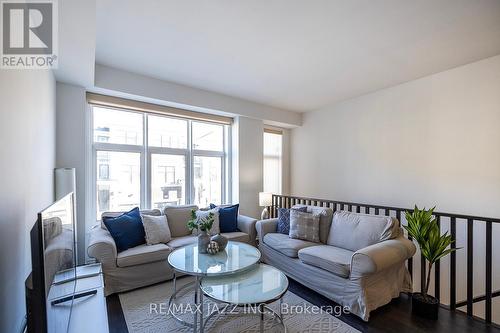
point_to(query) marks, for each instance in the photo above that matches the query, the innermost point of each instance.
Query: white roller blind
(272, 161)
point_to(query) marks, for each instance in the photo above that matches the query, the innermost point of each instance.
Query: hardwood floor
(394, 317)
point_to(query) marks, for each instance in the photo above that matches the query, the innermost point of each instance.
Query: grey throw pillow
(304, 226)
(156, 229)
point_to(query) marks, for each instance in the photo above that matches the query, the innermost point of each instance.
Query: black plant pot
(424, 307)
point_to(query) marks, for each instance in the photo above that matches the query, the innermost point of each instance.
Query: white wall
(27, 150)
(247, 154)
(432, 141)
(71, 149)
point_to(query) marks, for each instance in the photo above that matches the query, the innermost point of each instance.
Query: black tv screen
(53, 267)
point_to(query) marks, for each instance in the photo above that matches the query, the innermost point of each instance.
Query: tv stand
(88, 298)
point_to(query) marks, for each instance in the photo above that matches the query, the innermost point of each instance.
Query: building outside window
(150, 161)
(273, 153)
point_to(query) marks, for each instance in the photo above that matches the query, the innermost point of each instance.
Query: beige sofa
(144, 265)
(359, 261)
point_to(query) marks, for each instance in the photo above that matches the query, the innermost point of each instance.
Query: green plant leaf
(423, 228)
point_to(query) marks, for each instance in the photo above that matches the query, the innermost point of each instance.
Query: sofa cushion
(325, 219)
(142, 254)
(284, 219)
(177, 218)
(304, 226)
(330, 258)
(182, 241)
(286, 245)
(228, 217)
(127, 229)
(354, 231)
(156, 229)
(236, 236)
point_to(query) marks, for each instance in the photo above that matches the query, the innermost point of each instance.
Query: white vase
(203, 241)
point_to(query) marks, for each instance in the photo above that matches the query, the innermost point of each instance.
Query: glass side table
(259, 286)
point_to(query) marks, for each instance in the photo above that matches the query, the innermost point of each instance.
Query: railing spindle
(470, 265)
(422, 273)
(410, 260)
(271, 212)
(488, 272)
(437, 268)
(453, 264)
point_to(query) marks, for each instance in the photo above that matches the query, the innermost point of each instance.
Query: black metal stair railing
(284, 201)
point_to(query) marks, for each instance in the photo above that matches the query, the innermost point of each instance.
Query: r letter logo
(29, 39)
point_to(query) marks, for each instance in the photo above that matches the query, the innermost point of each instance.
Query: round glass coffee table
(256, 287)
(236, 257)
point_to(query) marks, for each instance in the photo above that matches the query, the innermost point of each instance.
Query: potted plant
(423, 228)
(203, 224)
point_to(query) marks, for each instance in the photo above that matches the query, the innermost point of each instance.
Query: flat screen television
(50, 288)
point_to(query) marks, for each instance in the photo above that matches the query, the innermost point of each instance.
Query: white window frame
(146, 153)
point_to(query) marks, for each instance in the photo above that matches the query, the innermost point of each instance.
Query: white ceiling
(298, 55)
(77, 42)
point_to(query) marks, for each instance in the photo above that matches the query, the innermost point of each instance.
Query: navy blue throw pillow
(284, 219)
(127, 229)
(228, 218)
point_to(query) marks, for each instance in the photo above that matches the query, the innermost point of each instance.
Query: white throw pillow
(204, 214)
(156, 229)
(304, 226)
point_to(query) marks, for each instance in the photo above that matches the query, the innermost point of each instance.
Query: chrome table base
(198, 301)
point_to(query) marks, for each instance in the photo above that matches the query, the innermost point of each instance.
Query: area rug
(146, 311)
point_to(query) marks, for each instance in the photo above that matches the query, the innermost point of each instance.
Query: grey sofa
(358, 263)
(144, 265)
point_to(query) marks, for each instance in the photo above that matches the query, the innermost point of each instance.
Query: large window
(151, 161)
(272, 161)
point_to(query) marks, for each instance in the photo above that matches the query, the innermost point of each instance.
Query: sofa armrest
(377, 257)
(102, 247)
(266, 226)
(246, 224)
